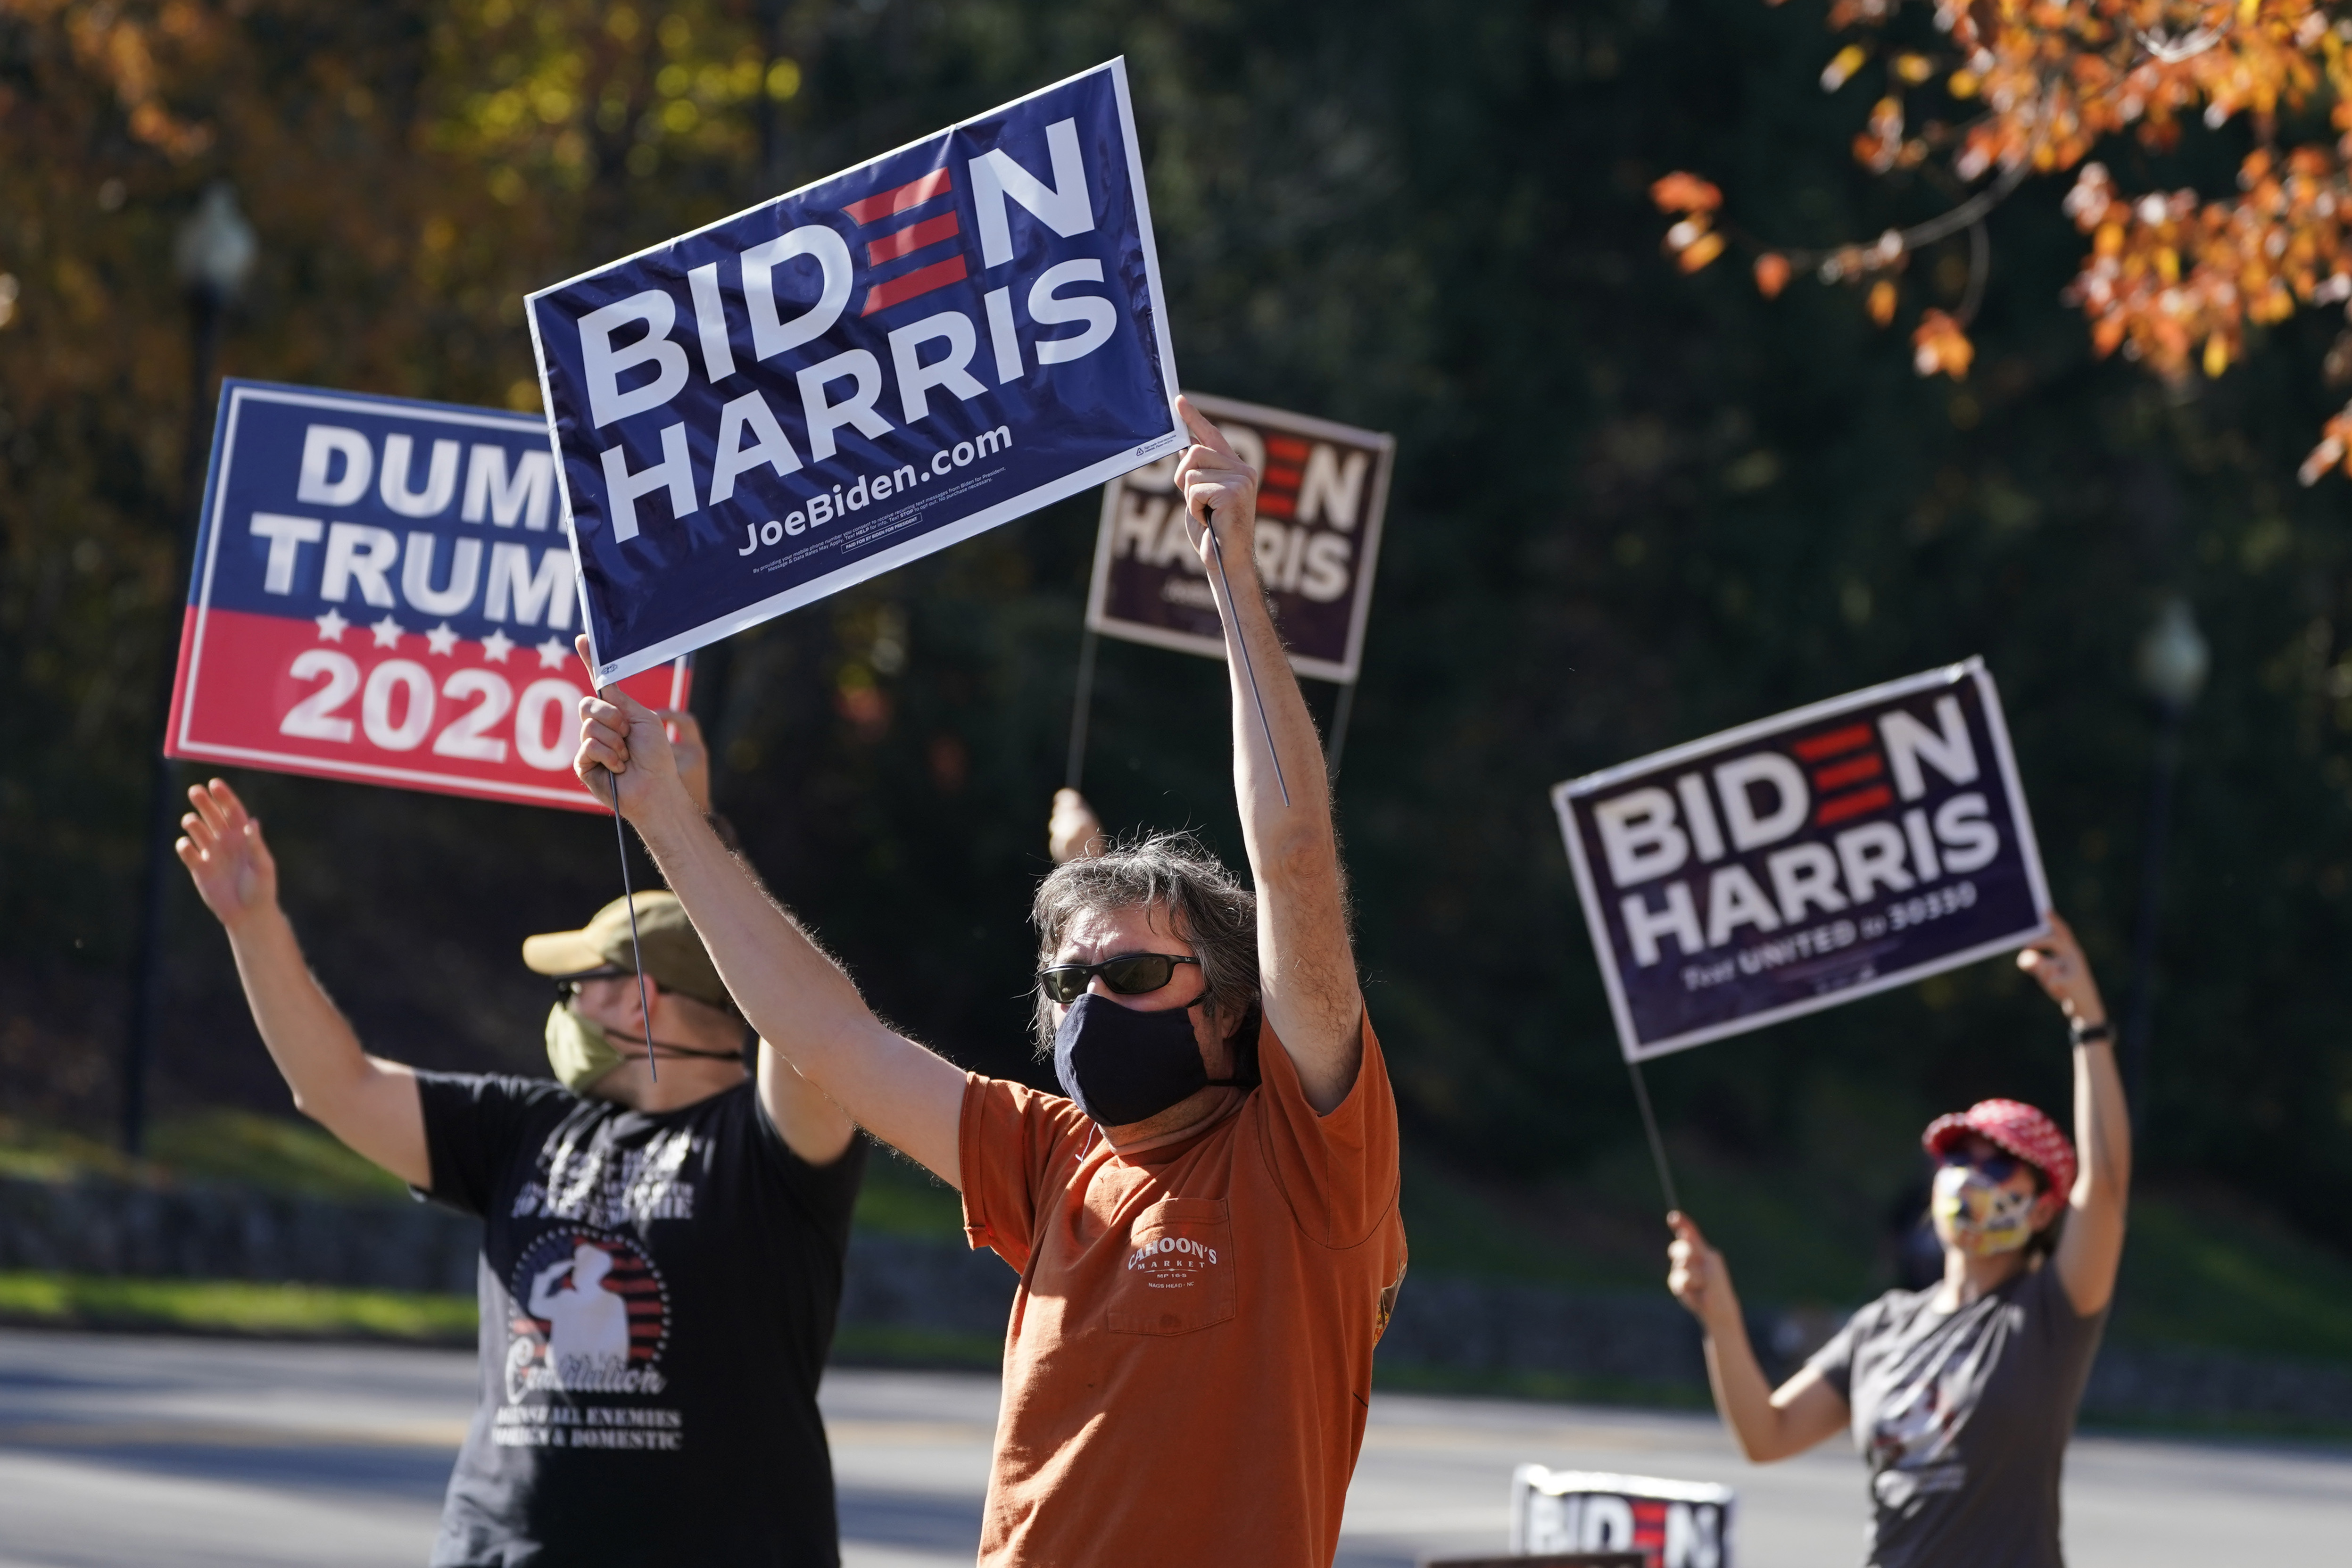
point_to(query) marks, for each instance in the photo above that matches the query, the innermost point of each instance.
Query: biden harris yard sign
(381, 594)
(1323, 489)
(849, 377)
(1804, 860)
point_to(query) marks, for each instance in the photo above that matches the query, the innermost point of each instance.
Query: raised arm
(1767, 1423)
(799, 1000)
(2091, 1247)
(368, 1103)
(1306, 968)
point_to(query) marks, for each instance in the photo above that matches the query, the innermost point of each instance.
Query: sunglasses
(1131, 975)
(1994, 1167)
(567, 989)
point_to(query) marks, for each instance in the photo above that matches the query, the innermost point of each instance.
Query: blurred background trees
(1631, 507)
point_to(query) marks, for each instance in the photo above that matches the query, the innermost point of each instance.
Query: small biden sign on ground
(1670, 1524)
(1804, 860)
(872, 368)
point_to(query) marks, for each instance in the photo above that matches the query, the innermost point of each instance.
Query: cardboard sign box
(1323, 492)
(1673, 1524)
(381, 594)
(876, 366)
(1804, 860)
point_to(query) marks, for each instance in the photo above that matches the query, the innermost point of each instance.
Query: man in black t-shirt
(661, 1258)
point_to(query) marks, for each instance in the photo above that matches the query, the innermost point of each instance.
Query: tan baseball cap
(674, 957)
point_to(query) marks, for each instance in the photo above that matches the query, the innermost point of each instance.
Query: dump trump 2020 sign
(1804, 860)
(848, 377)
(381, 594)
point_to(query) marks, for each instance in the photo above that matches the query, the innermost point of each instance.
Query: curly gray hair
(1207, 907)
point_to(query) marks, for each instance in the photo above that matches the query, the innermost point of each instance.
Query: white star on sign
(497, 646)
(441, 640)
(552, 654)
(387, 632)
(331, 626)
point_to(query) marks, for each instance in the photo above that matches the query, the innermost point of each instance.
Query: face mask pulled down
(581, 1050)
(1122, 1065)
(1980, 1218)
(578, 1048)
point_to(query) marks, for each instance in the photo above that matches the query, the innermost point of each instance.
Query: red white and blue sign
(849, 377)
(383, 593)
(1805, 860)
(1672, 1524)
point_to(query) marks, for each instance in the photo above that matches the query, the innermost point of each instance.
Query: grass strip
(234, 1306)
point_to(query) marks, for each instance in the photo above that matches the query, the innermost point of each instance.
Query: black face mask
(1122, 1064)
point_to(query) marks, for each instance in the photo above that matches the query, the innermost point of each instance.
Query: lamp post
(212, 255)
(2173, 662)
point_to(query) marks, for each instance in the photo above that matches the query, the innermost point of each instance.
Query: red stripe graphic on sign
(1837, 775)
(912, 238)
(911, 285)
(1853, 804)
(1276, 504)
(914, 193)
(1829, 743)
(1650, 1528)
(1286, 448)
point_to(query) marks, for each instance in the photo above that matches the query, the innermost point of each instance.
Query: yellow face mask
(578, 1048)
(1979, 1218)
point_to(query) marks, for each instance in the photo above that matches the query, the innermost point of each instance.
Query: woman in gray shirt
(1961, 1397)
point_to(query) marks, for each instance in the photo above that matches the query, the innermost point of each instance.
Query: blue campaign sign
(1804, 860)
(835, 383)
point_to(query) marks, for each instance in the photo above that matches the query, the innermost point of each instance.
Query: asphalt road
(120, 1452)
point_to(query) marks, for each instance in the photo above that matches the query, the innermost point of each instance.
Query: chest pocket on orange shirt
(1178, 1275)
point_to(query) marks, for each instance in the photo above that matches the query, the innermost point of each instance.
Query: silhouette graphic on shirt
(588, 1326)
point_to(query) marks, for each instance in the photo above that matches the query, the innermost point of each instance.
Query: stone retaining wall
(113, 1227)
(1481, 1328)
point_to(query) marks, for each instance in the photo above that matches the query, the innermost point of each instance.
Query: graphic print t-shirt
(1191, 1352)
(657, 1300)
(1963, 1419)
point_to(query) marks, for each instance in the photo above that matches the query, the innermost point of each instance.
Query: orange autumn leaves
(1693, 242)
(2173, 281)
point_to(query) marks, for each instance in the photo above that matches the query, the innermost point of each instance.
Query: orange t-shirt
(1191, 1352)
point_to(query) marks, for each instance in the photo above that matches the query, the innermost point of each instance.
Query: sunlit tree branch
(2173, 281)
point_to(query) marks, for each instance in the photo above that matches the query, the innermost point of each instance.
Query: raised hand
(1220, 490)
(693, 755)
(2057, 961)
(1696, 1273)
(1072, 832)
(225, 853)
(625, 751)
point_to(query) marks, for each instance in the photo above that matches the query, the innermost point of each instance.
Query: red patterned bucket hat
(2012, 1125)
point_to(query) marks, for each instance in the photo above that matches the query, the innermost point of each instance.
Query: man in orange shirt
(1206, 1227)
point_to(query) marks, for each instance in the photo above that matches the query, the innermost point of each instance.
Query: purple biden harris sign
(842, 380)
(1804, 860)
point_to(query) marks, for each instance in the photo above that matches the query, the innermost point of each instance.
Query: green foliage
(274, 1152)
(233, 1306)
(1630, 508)
(901, 1198)
(855, 1344)
(2202, 1270)
(211, 1144)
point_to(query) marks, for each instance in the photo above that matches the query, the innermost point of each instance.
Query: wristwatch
(2095, 1033)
